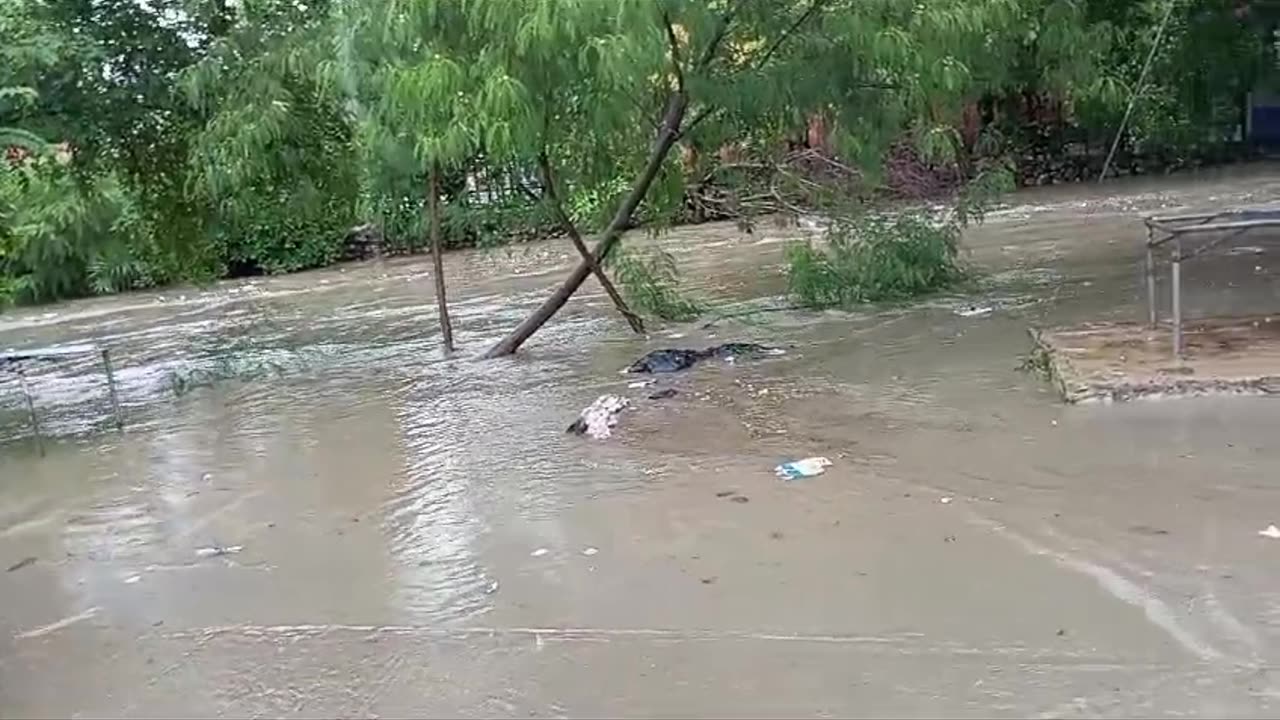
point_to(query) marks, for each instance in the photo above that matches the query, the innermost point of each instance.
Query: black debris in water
(664, 394)
(675, 360)
(24, 562)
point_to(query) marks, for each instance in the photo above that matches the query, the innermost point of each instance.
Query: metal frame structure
(1162, 229)
(13, 361)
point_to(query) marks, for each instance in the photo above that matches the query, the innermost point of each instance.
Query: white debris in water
(539, 552)
(969, 311)
(598, 419)
(132, 579)
(946, 500)
(218, 550)
(641, 384)
(590, 551)
(1272, 532)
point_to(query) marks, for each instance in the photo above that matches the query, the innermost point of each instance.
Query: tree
(275, 167)
(714, 70)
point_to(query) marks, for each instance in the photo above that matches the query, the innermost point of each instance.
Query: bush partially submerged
(876, 258)
(873, 259)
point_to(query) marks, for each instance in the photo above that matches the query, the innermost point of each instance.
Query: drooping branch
(710, 110)
(804, 17)
(674, 42)
(551, 195)
(672, 117)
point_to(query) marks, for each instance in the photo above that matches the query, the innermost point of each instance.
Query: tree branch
(675, 51)
(713, 47)
(551, 195)
(804, 17)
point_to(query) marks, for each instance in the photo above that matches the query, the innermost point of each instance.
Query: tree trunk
(553, 199)
(667, 134)
(437, 257)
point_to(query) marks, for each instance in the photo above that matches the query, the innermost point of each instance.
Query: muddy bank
(418, 536)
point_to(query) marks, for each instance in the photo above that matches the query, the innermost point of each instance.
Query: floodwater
(356, 526)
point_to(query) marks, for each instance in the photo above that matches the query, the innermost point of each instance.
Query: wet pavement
(356, 526)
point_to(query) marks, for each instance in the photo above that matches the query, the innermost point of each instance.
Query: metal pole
(1151, 280)
(31, 409)
(1142, 81)
(111, 389)
(1177, 299)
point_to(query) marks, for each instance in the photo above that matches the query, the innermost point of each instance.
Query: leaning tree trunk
(437, 258)
(552, 194)
(667, 134)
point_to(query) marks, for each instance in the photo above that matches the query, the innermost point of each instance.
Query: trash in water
(969, 311)
(589, 551)
(491, 588)
(664, 394)
(641, 384)
(808, 467)
(132, 579)
(539, 552)
(218, 550)
(24, 562)
(1246, 250)
(1272, 532)
(675, 360)
(598, 418)
(945, 501)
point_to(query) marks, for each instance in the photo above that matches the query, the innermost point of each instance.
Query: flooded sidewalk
(358, 526)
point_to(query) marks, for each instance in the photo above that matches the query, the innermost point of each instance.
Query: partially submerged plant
(872, 260)
(877, 258)
(650, 282)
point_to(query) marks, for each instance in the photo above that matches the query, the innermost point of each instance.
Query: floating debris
(1272, 532)
(972, 311)
(218, 550)
(539, 552)
(677, 359)
(24, 562)
(589, 551)
(664, 394)
(599, 418)
(808, 467)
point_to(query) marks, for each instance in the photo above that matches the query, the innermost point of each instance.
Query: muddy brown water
(358, 526)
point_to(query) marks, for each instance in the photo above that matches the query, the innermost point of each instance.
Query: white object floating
(539, 552)
(808, 467)
(598, 419)
(971, 311)
(589, 551)
(132, 579)
(215, 551)
(945, 501)
(1272, 532)
(641, 384)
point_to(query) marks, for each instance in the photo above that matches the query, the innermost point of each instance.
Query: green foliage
(63, 235)
(877, 258)
(211, 137)
(873, 259)
(650, 283)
